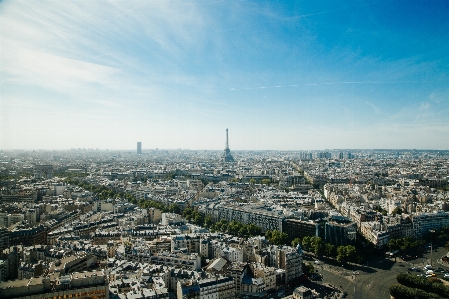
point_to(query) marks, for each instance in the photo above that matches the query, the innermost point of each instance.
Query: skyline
(280, 75)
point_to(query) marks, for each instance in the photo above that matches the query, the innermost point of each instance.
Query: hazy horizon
(221, 150)
(281, 75)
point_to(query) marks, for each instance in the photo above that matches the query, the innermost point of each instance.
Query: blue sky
(287, 75)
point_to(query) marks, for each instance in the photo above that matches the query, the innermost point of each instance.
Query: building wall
(4, 238)
(265, 220)
(423, 223)
(340, 234)
(299, 229)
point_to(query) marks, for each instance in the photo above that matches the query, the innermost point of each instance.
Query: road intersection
(373, 280)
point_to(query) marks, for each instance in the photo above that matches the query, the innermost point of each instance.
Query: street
(374, 280)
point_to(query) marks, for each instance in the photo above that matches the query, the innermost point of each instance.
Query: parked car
(440, 270)
(446, 275)
(316, 277)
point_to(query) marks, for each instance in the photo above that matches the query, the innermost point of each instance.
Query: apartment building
(376, 233)
(28, 236)
(296, 228)
(340, 231)
(213, 288)
(425, 222)
(265, 219)
(85, 285)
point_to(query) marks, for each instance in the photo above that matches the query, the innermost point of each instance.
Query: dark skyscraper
(227, 157)
(139, 148)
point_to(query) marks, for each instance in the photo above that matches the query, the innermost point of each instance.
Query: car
(316, 262)
(429, 272)
(441, 270)
(446, 275)
(316, 277)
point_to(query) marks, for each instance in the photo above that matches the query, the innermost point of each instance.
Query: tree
(397, 210)
(234, 227)
(379, 209)
(277, 237)
(252, 181)
(404, 245)
(268, 234)
(308, 268)
(347, 254)
(446, 245)
(243, 232)
(428, 287)
(296, 242)
(169, 176)
(306, 243)
(253, 230)
(393, 244)
(317, 245)
(341, 254)
(330, 250)
(351, 254)
(208, 222)
(198, 218)
(188, 213)
(174, 208)
(221, 225)
(266, 181)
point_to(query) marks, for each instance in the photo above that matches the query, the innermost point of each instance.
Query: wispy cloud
(373, 107)
(109, 104)
(57, 72)
(324, 83)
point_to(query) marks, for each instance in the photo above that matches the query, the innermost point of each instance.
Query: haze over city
(281, 75)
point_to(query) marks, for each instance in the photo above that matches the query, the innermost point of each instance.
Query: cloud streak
(56, 72)
(325, 83)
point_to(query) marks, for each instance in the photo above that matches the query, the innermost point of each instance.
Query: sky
(280, 75)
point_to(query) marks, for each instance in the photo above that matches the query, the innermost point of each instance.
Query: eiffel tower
(227, 157)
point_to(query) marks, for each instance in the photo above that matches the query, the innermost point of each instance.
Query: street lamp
(431, 245)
